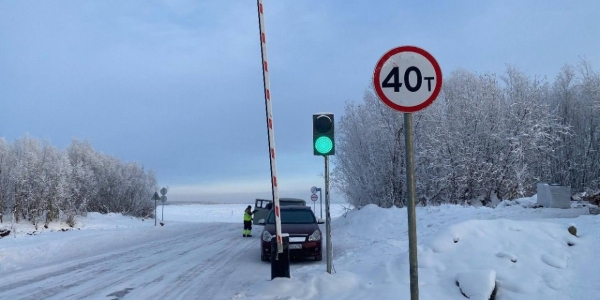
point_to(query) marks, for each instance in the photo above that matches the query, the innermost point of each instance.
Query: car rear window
(289, 202)
(294, 216)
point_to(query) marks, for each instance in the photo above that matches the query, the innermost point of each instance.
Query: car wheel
(264, 257)
(319, 257)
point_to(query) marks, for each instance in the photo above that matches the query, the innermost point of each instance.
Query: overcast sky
(177, 85)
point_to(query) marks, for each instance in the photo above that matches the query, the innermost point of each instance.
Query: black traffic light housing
(323, 134)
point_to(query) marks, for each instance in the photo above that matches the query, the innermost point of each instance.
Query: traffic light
(323, 134)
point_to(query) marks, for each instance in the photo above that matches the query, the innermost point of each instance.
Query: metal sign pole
(408, 96)
(328, 217)
(412, 224)
(155, 213)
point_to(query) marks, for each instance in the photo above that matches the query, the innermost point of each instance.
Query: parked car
(301, 225)
(264, 206)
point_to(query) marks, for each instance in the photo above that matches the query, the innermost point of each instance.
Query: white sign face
(407, 79)
(314, 197)
(313, 189)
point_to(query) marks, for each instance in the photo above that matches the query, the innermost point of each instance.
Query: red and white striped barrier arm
(265, 66)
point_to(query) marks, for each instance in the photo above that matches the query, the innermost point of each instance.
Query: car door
(262, 207)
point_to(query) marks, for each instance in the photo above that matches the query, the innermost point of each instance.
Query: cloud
(176, 85)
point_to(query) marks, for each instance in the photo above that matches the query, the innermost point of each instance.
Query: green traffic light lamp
(323, 145)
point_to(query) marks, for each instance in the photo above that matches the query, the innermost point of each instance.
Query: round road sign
(313, 189)
(407, 79)
(314, 197)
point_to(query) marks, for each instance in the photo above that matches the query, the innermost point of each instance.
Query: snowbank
(478, 247)
(528, 202)
(524, 253)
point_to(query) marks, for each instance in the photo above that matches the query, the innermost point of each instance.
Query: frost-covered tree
(40, 183)
(26, 152)
(482, 138)
(119, 187)
(84, 185)
(460, 139)
(532, 131)
(575, 99)
(6, 197)
(370, 166)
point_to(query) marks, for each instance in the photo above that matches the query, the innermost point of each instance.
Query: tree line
(486, 137)
(40, 183)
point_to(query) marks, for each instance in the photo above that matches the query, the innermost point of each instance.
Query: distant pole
(327, 217)
(412, 223)
(321, 201)
(155, 198)
(163, 199)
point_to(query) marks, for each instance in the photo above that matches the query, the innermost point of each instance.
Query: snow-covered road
(200, 254)
(196, 261)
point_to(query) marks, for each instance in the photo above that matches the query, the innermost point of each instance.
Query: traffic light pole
(412, 223)
(328, 217)
(324, 145)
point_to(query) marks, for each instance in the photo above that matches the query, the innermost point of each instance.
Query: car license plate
(295, 246)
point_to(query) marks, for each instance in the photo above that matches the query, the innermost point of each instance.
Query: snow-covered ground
(526, 253)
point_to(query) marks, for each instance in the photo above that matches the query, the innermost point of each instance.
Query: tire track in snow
(223, 263)
(91, 276)
(145, 266)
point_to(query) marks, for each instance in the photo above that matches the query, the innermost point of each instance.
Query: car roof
(285, 199)
(295, 207)
(292, 199)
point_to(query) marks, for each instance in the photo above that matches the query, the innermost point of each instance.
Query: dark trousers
(248, 225)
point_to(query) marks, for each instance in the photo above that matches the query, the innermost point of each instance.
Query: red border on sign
(384, 98)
